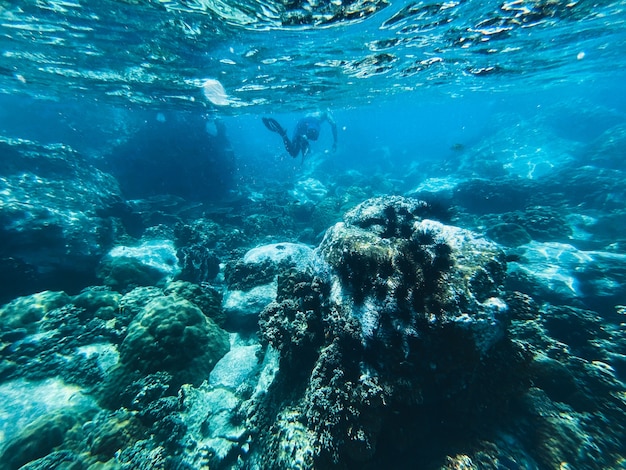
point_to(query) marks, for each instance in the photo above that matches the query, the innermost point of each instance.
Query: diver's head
(312, 133)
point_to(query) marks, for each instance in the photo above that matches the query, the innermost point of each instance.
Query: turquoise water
(141, 329)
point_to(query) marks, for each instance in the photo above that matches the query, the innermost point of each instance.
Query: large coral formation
(401, 274)
(407, 327)
(26, 312)
(205, 297)
(173, 335)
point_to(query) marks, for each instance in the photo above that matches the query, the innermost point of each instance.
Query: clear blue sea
(417, 262)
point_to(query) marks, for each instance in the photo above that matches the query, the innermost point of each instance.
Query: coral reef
(194, 243)
(407, 324)
(564, 275)
(508, 234)
(398, 339)
(119, 362)
(205, 297)
(173, 335)
(25, 312)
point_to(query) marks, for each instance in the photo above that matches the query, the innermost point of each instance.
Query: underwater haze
(299, 234)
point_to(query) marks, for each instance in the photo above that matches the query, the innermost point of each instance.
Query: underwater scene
(311, 234)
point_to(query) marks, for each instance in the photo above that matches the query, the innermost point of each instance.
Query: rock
(253, 280)
(53, 225)
(112, 432)
(445, 275)
(525, 150)
(211, 418)
(582, 330)
(607, 150)
(133, 303)
(496, 195)
(58, 459)
(559, 435)
(195, 243)
(541, 223)
(198, 263)
(236, 366)
(25, 401)
(99, 302)
(386, 216)
(293, 323)
(152, 262)
(562, 274)
(37, 440)
(41, 413)
(215, 413)
(298, 442)
(435, 189)
(583, 187)
(242, 308)
(326, 213)
(509, 234)
(309, 191)
(105, 354)
(299, 256)
(72, 338)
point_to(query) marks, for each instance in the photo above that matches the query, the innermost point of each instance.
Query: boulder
(41, 414)
(150, 263)
(236, 367)
(252, 281)
(563, 274)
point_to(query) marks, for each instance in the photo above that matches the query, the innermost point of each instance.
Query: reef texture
(400, 337)
(98, 374)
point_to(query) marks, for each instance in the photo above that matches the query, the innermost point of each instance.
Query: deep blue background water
(385, 137)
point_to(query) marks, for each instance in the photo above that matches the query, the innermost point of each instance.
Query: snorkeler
(307, 129)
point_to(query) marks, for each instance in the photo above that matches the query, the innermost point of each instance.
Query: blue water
(508, 117)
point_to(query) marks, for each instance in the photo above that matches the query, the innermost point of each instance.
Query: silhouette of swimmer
(307, 129)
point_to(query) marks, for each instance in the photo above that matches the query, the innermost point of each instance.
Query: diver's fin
(272, 125)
